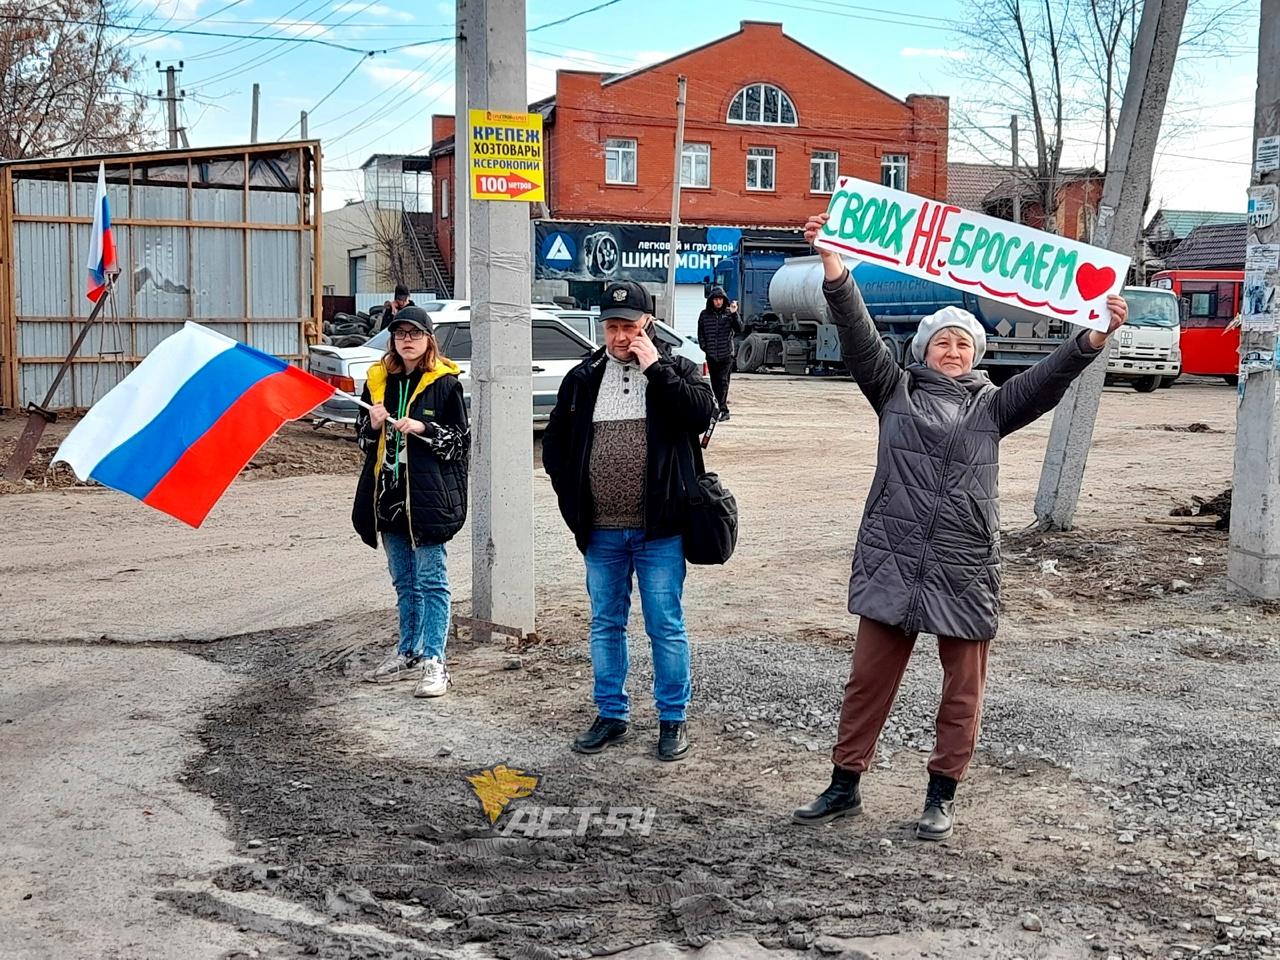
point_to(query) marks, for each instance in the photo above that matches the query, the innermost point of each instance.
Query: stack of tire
(349, 329)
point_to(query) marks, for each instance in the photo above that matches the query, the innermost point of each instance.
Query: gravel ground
(1124, 801)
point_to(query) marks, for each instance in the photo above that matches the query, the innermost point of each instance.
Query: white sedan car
(557, 349)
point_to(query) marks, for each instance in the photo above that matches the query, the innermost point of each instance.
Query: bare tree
(1015, 55)
(1018, 53)
(66, 81)
(1103, 50)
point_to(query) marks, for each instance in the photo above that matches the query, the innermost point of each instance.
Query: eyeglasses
(411, 333)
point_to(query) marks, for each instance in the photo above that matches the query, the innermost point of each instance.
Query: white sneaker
(395, 667)
(435, 679)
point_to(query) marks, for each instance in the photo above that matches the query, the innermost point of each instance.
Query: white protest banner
(973, 252)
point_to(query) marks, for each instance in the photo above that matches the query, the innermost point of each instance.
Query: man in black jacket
(618, 450)
(716, 326)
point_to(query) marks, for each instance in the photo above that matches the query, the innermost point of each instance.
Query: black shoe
(939, 803)
(604, 731)
(724, 415)
(673, 742)
(841, 799)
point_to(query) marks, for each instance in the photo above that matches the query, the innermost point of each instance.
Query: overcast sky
(385, 103)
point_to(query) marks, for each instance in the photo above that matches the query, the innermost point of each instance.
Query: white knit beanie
(950, 317)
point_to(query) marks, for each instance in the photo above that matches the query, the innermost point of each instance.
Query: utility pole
(501, 351)
(1017, 171)
(1124, 195)
(303, 123)
(253, 117)
(171, 95)
(673, 258)
(1253, 557)
(461, 153)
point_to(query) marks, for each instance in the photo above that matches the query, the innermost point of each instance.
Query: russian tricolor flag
(180, 427)
(102, 246)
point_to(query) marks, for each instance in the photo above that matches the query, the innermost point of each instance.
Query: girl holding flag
(413, 490)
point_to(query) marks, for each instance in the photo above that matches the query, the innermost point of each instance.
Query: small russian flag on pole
(102, 247)
(178, 430)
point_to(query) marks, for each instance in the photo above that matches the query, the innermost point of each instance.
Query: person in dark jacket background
(927, 558)
(413, 490)
(618, 450)
(717, 325)
(393, 307)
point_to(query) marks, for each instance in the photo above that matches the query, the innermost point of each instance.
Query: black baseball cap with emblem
(625, 300)
(413, 317)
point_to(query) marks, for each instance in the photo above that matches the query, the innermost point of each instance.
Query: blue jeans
(422, 594)
(659, 567)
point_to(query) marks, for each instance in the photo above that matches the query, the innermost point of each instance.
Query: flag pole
(39, 415)
(368, 406)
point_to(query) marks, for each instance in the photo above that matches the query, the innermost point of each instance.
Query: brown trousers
(879, 660)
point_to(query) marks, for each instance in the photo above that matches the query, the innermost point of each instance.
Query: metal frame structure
(128, 173)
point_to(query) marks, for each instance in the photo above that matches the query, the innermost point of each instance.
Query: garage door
(690, 301)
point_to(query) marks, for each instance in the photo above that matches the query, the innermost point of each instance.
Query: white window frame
(826, 163)
(762, 90)
(892, 164)
(695, 158)
(756, 160)
(444, 199)
(620, 147)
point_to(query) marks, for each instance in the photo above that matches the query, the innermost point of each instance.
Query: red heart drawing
(1094, 281)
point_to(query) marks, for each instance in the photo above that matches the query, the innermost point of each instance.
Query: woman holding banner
(413, 490)
(927, 558)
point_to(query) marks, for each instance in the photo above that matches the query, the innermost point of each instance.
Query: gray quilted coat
(928, 551)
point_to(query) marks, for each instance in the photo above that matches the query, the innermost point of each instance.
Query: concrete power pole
(1017, 181)
(501, 353)
(669, 307)
(1119, 221)
(461, 152)
(253, 117)
(1253, 558)
(171, 96)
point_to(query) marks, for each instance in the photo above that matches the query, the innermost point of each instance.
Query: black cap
(415, 317)
(402, 292)
(626, 300)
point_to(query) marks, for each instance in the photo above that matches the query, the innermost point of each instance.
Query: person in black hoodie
(717, 325)
(618, 451)
(413, 490)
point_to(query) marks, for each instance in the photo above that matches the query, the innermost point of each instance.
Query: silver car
(557, 349)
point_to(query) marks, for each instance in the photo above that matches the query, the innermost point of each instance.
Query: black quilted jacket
(928, 551)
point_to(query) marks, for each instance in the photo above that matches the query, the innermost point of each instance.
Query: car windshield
(379, 341)
(1150, 308)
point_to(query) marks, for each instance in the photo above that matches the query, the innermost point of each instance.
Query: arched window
(762, 103)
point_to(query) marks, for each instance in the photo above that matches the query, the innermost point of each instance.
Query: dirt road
(1125, 794)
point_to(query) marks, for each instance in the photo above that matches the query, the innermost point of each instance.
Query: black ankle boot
(939, 803)
(841, 799)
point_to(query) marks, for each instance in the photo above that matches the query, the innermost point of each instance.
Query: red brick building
(991, 189)
(769, 125)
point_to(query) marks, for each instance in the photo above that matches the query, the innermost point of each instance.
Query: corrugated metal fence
(224, 237)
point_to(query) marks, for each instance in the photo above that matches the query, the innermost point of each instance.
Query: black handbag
(711, 513)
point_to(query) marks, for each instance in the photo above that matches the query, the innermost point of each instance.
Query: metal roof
(1178, 224)
(1213, 246)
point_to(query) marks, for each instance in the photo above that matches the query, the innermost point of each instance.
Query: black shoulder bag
(711, 512)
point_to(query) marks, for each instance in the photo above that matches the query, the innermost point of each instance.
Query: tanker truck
(778, 286)
(783, 310)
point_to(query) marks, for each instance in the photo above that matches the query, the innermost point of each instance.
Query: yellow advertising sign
(507, 156)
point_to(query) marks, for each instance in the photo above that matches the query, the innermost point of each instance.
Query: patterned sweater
(619, 448)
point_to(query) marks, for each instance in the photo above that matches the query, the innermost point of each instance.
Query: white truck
(1146, 352)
